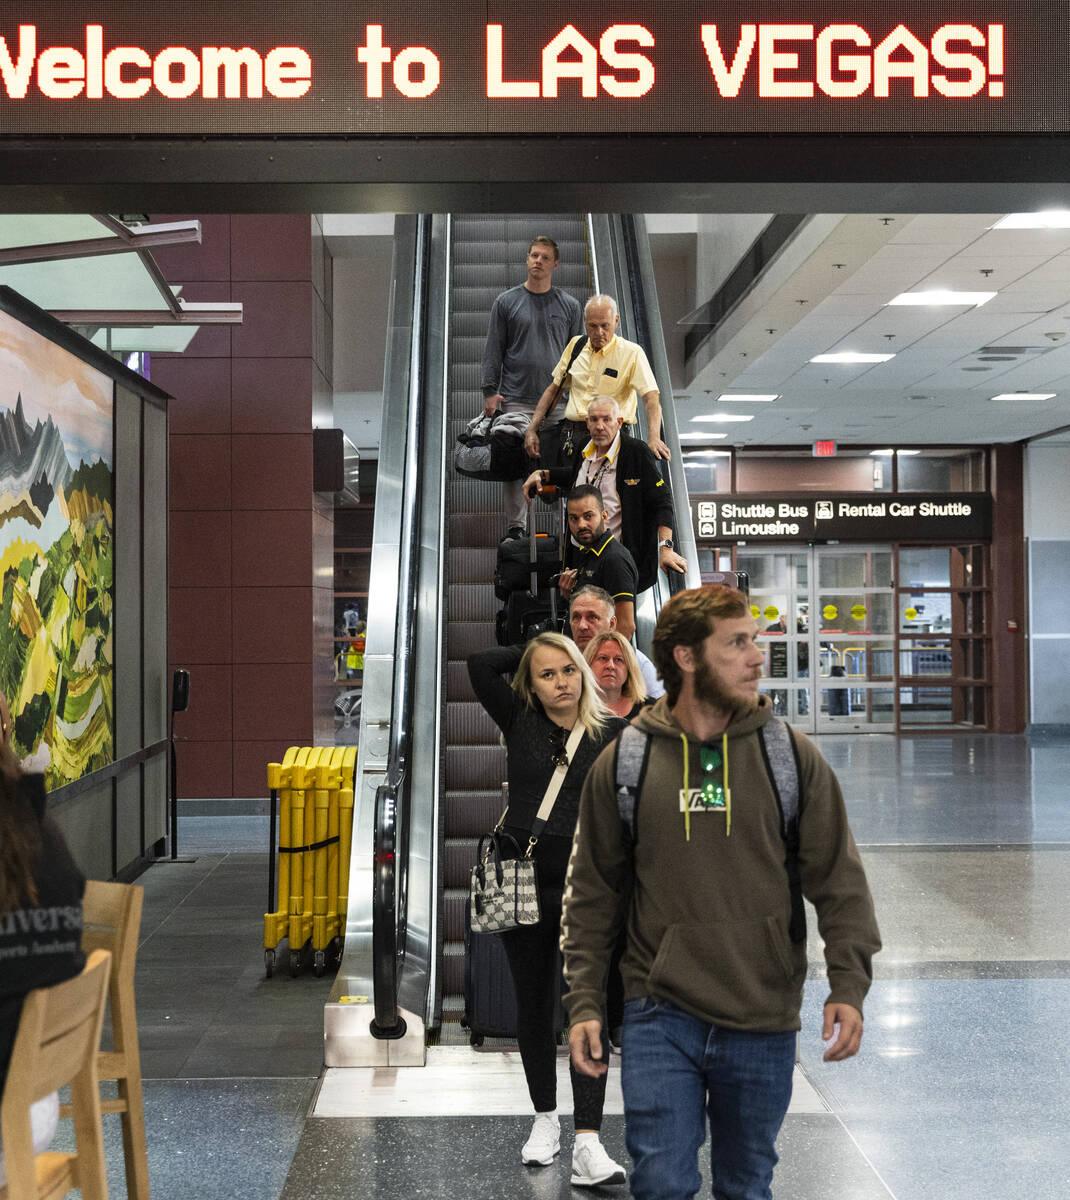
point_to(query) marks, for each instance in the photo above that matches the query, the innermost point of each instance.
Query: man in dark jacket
(637, 499)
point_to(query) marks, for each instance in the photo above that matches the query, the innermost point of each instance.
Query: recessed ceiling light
(941, 297)
(1056, 218)
(702, 437)
(881, 453)
(708, 454)
(725, 398)
(848, 356)
(725, 417)
(1025, 396)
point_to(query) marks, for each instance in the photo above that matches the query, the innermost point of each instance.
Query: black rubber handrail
(641, 317)
(392, 797)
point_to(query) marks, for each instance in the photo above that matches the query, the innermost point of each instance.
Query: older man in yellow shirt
(607, 366)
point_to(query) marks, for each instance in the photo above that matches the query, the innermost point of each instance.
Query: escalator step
(458, 685)
(472, 814)
(465, 639)
(479, 767)
(472, 602)
(469, 724)
(472, 565)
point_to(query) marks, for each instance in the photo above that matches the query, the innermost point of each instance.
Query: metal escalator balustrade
(488, 256)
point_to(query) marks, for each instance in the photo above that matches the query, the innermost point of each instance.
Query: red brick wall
(251, 547)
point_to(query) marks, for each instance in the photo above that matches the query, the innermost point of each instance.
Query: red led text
(130, 72)
(794, 61)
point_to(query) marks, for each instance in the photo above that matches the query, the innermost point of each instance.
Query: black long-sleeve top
(531, 740)
(40, 944)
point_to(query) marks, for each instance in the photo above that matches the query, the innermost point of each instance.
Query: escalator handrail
(392, 797)
(638, 270)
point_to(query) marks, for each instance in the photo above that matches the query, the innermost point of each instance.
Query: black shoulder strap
(581, 341)
(633, 750)
(782, 766)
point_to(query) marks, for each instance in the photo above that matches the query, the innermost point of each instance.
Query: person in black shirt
(593, 555)
(41, 893)
(552, 690)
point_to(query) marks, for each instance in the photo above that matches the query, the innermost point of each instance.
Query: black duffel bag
(512, 570)
(492, 448)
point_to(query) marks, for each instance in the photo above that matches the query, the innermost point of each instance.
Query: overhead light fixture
(702, 437)
(1025, 396)
(889, 453)
(1055, 218)
(849, 356)
(941, 296)
(725, 398)
(708, 454)
(724, 417)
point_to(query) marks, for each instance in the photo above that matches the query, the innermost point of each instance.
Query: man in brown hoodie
(698, 870)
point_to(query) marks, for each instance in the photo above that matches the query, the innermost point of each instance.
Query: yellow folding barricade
(313, 787)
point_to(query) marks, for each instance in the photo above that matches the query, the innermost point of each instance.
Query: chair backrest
(112, 919)
(56, 1044)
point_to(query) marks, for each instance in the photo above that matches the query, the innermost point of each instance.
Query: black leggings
(535, 967)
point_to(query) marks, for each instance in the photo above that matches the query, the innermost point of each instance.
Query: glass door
(780, 601)
(826, 626)
(853, 639)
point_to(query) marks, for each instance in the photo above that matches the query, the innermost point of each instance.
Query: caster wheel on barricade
(269, 963)
(319, 964)
(295, 963)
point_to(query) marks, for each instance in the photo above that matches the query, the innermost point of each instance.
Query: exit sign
(824, 449)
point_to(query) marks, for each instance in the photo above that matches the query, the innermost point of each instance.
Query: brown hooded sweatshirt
(707, 918)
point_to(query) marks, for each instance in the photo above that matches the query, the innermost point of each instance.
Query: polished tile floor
(962, 1089)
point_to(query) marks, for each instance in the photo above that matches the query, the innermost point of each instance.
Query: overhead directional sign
(861, 517)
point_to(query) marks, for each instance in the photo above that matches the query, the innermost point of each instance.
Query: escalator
(430, 767)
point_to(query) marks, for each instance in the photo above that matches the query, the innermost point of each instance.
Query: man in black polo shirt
(593, 555)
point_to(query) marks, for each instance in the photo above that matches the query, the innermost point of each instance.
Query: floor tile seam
(833, 1112)
(963, 847)
(178, 904)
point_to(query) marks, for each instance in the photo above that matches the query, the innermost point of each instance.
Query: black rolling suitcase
(533, 609)
(489, 998)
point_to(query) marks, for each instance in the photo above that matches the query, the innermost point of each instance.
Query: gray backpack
(781, 764)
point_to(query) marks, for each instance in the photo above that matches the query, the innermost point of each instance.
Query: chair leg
(135, 1151)
(90, 1164)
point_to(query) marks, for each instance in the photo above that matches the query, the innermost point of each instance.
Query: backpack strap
(633, 750)
(782, 765)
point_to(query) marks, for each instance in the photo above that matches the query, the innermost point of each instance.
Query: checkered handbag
(504, 892)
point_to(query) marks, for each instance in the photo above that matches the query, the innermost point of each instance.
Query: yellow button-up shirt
(619, 370)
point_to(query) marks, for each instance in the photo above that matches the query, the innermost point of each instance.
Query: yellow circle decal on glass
(830, 612)
(910, 613)
(858, 612)
(755, 611)
(771, 612)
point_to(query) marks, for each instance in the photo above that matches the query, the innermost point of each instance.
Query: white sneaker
(592, 1167)
(544, 1142)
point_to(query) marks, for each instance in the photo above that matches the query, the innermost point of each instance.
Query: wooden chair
(112, 922)
(57, 1043)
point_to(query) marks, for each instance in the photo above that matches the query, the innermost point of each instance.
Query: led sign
(654, 66)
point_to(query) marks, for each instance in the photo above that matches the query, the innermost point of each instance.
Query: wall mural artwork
(56, 555)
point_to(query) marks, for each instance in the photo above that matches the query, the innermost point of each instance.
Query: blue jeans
(674, 1070)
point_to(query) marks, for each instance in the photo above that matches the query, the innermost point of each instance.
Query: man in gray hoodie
(708, 874)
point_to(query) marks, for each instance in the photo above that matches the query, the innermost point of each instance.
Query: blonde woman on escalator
(552, 692)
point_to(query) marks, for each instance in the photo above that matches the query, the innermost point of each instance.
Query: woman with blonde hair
(41, 893)
(553, 696)
(616, 671)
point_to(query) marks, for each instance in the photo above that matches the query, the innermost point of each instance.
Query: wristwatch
(667, 542)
